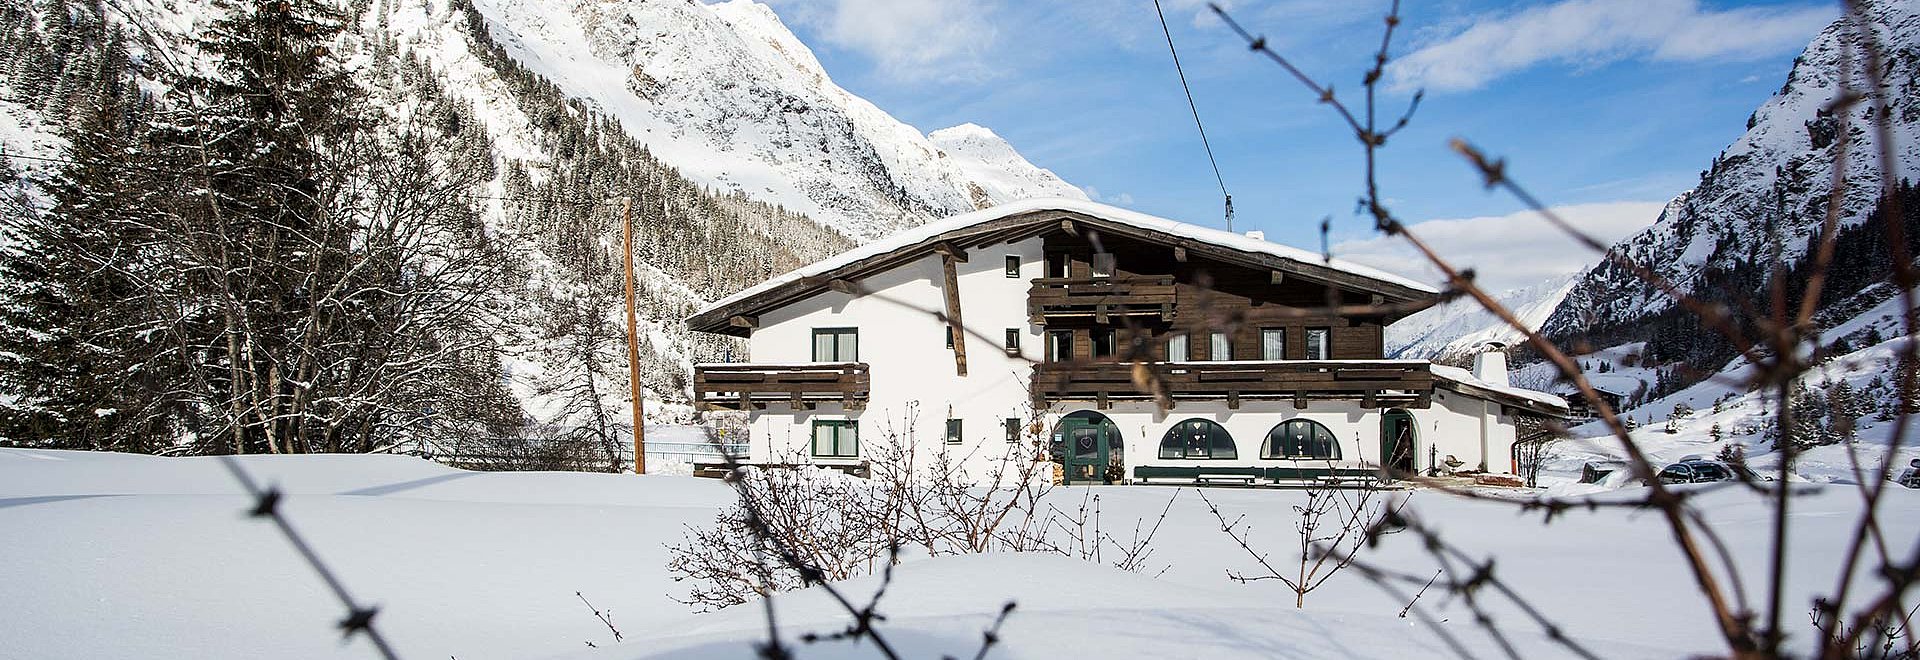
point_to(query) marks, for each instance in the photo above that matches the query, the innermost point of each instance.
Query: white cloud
(1585, 33)
(907, 39)
(1506, 251)
(1122, 199)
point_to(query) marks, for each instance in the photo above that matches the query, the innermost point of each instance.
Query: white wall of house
(903, 342)
(915, 389)
(1452, 425)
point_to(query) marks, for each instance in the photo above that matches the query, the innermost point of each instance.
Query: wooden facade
(1158, 291)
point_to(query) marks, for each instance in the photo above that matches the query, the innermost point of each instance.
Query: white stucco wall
(914, 384)
(1452, 426)
(915, 388)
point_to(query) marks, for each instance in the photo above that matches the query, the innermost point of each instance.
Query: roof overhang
(736, 314)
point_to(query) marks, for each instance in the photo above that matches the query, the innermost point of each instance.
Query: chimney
(1490, 365)
(1257, 235)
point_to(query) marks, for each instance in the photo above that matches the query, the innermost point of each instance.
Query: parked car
(1695, 470)
(1911, 477)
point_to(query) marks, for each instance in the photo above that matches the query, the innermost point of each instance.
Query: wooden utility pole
(633, 349)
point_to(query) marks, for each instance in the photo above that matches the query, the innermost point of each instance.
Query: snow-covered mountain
(746, 159)
(1451, 332)
(728, 95)
(1768, 190)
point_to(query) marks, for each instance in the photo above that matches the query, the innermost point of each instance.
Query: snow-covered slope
(1769, 187)
(1453, 330)
(727, 94)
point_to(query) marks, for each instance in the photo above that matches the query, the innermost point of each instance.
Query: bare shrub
(1334, 524)
(824, 517)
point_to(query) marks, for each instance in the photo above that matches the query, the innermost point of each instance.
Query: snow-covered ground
(120, 556)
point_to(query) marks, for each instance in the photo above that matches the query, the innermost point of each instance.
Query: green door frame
(1388, 439)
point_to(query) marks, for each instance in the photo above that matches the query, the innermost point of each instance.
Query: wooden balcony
(747, 386)
(1372, 383)
(1101, 298)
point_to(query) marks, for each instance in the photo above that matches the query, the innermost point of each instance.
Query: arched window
(1198, 438)
(1301, 438)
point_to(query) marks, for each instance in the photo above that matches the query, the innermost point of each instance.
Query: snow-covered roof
(1464, 377)
(959, 223)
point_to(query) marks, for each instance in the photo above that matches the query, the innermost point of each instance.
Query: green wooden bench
(1252, 475)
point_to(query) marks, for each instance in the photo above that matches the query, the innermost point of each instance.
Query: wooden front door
(1087, 447)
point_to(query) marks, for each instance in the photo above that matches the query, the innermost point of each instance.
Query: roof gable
(1018, 220)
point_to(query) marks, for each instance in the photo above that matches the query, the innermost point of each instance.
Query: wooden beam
(744, 321)
(1100, 400)
(953, 314)
(950, 251)
(1067, 226)
(842, 286)
(1179, 254)
(1367, 401)
(1377, 299)
(1233, 400)
(1278, 276)
(1299, 400)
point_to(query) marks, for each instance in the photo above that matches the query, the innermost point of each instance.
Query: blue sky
(1609, 107)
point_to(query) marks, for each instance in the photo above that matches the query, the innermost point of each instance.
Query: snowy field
(122, 556)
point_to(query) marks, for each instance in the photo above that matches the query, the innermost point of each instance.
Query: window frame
(949, 329)
(1099, 259)
(1013, 266)
(1185, 343)
(956, 431)
(853, 332)
(1219, 343)
(1326, 344)
(849, 429)
(1270, 446)
(1177, 434)
(1055, 340)
(1013, 428)
(1281, 352)
(1059, 265)
(1094, 338)
(1012, 342)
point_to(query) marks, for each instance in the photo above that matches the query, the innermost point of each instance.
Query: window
(1198, 438)
(1057, 265)
(1301, 438)
(1013, 341)
(1059, 345)
(949, 336)
(1103, 343)
(1273, 344)
(836, 345)
(1103, 264)
(1218, 348)
(1013, 267)
(1013, 429)
(953, 432)
(1177, 349)
(1318, 343)
(836, 438)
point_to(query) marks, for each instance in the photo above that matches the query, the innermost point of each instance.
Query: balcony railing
(1101, 298)
(745, 386)
(1372, 383)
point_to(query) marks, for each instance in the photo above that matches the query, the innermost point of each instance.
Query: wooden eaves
(1025, 225)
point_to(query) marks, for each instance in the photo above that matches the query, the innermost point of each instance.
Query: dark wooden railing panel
(1101, 297)
(739, 386)
(1407, 384)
